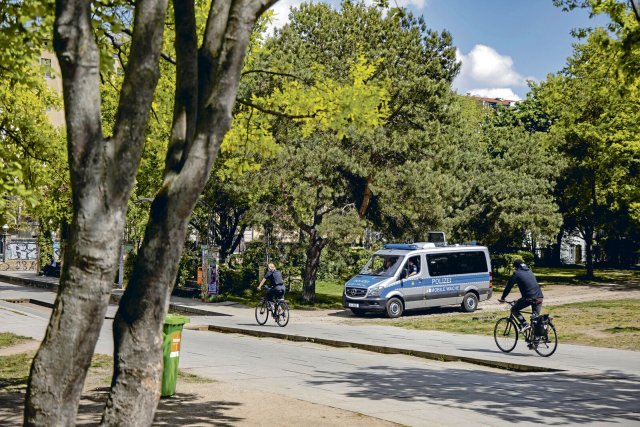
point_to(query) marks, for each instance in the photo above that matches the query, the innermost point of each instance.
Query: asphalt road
(409, 390)
(402, 389)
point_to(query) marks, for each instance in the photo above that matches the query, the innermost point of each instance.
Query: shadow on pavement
(179, 410)
(536, 398)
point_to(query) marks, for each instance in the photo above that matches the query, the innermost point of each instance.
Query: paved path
(575, 359)
(597, 387)
(402, 389)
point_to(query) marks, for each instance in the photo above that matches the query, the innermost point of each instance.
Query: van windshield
(382, 265)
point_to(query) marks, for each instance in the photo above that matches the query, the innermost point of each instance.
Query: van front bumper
(366, 304)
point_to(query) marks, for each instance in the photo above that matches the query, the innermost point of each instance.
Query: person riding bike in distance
(277, 284)
(529, 289)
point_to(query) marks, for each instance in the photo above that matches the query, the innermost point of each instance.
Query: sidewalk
(481, 350)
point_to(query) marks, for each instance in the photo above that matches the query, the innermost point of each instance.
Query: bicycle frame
(534, 341)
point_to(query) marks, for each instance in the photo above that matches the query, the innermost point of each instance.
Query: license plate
(354, 305)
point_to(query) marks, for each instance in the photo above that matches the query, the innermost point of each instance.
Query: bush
(237, 281)
(342, 263)
(502, 264)
(189, 263)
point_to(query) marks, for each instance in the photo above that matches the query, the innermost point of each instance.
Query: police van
(407, 276)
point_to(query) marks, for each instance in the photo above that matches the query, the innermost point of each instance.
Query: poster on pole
(210, 281)
(213, 277)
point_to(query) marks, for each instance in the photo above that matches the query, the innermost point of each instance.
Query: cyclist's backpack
(541, 325)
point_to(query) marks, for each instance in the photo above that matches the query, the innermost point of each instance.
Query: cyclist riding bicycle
(529, 289)
(277, 284)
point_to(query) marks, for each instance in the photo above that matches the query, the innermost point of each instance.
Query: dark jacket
(527, 284)
(274, 277)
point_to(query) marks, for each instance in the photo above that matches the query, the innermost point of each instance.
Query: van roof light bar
(409, 246)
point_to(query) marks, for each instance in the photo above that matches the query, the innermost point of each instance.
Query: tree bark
(366, 198)
(588, 239)
(556, 258)
(102, 174)
(314, 250)
(197, 133)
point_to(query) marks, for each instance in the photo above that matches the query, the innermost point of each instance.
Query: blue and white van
(407, 276)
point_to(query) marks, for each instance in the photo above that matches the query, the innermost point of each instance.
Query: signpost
(210, 283)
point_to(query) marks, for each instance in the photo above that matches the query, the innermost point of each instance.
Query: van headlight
(374, 291)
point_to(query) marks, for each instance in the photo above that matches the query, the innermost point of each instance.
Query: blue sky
(501, 43)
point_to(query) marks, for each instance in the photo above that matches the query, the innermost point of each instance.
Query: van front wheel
(470, 302)
(394, 308)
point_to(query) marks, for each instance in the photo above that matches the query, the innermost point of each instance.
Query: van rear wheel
(469, 302)
(394, 308)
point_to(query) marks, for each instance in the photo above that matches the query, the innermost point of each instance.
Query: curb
(115, 296)
(15, 280)
(176, 308)
(516, 367)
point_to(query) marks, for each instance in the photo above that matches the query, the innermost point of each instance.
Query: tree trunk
(102, 174)
(556, 258)
(137, 328)
(59, 368)
(316, 244)
(366, 199)
(206, 86)
(588, 239)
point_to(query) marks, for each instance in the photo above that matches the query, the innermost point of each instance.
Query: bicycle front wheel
(546, 345)
(506, 334)
(262, 313)
(282, 314)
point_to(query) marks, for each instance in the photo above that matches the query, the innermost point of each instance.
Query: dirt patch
(200, 402)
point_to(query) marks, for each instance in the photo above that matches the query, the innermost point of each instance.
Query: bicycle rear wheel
(282, 313)
(506, 334)
(262, 312)
(546, 345)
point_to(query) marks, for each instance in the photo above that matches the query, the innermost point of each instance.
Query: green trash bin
(171, 338)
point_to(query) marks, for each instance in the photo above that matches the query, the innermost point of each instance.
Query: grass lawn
(577, 276)
(614, 324)
(8, 339)
(14, 371)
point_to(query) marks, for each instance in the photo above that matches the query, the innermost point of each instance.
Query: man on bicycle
(529, 289)
(277, 284)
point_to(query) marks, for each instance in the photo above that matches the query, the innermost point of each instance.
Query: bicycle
(278, 310)
(541, 336)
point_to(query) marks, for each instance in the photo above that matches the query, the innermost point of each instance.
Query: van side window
(412, 267)
(457, 263)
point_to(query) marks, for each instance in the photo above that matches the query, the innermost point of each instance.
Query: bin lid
(176, 319)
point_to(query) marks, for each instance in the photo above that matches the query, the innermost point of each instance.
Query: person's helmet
(518, 263)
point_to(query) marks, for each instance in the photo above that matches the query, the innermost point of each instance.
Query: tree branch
(139, 84)
(275, 73)
(292, 210)
(78, 56)
(274, 112)
(186, 93)
(635, 9)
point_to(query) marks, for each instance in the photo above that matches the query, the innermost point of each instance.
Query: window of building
(46, 64)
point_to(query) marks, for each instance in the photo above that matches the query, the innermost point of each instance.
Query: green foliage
(241, 280)
(502, 263)
(188, 266)
(33, 172)
(342, 263)
(596, 129)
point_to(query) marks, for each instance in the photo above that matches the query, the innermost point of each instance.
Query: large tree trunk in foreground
(206, 87)
(102, 175)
